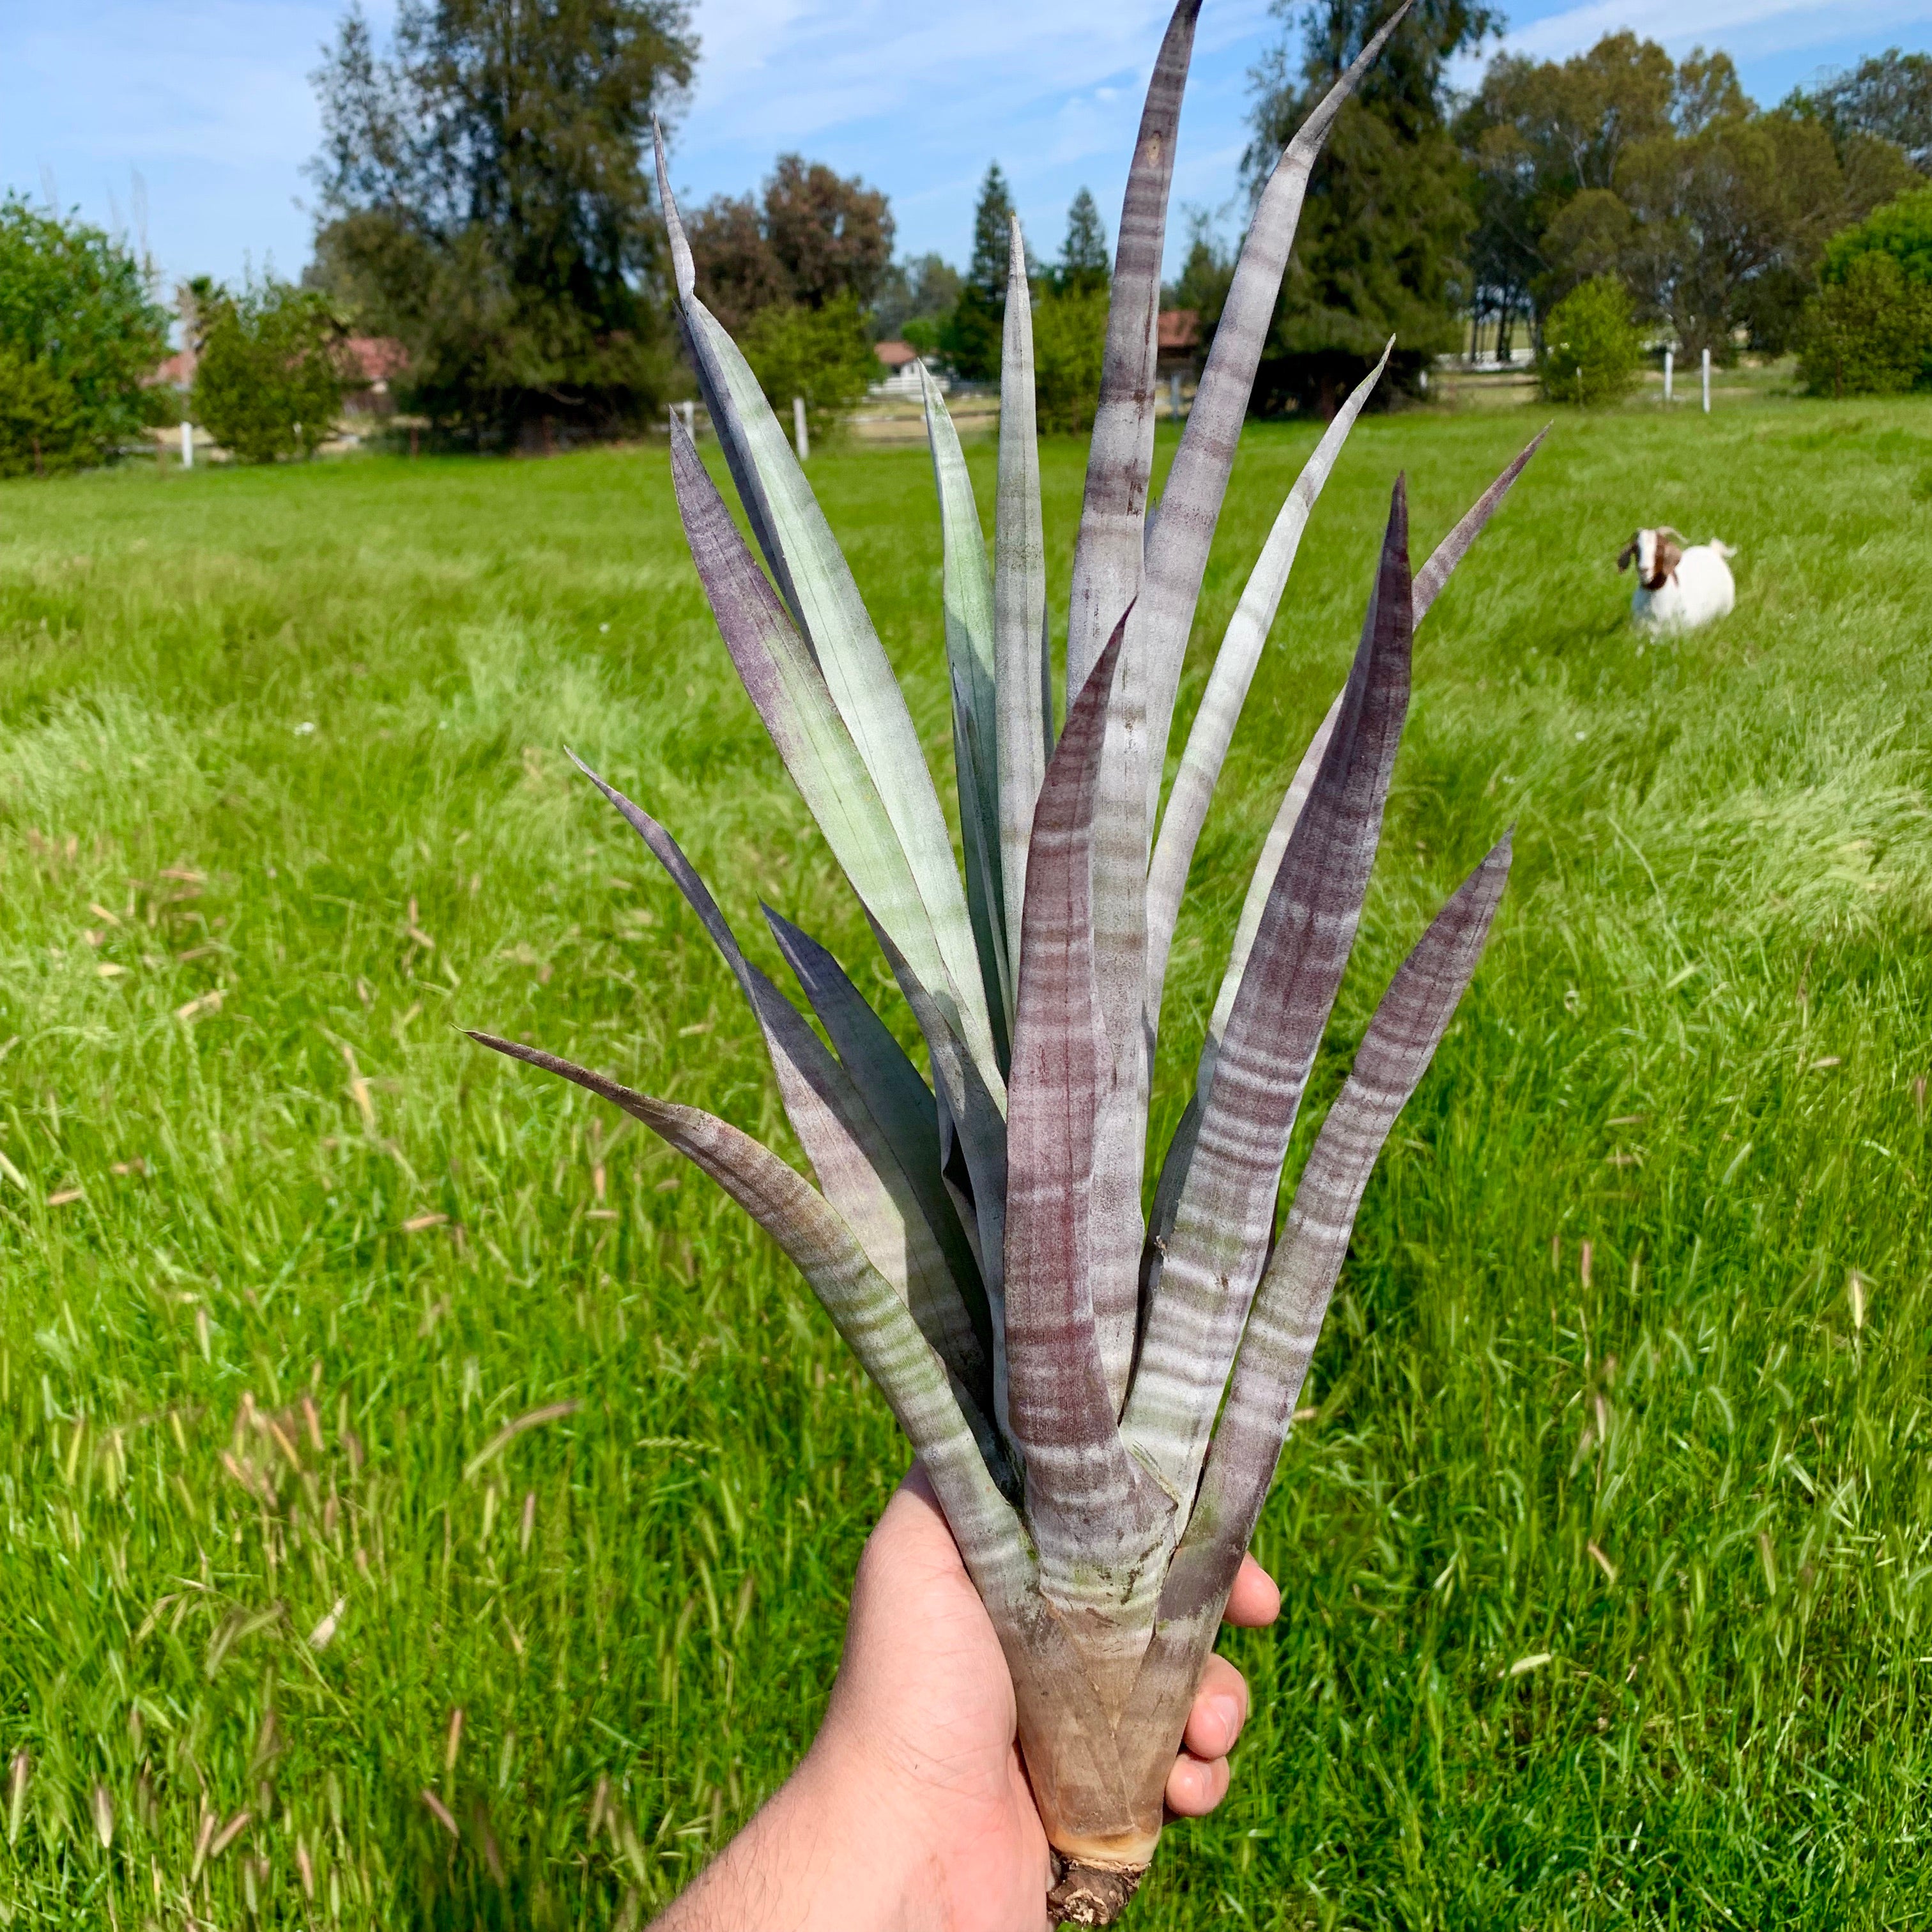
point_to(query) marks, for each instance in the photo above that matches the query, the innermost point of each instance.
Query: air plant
(1099, 1392)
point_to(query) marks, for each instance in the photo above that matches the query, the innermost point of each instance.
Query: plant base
(1083, 1894)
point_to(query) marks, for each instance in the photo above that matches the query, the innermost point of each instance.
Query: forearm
(826, 1853)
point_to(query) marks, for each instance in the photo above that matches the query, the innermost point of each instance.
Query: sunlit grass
(1607, 1579)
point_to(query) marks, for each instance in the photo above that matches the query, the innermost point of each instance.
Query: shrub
(824, 354)
(1868, 330)
(79, 333)
(1901, 229)
(269, 381)
(1869, 334)
(1069, 340)
(1592, 350)
(40, 418)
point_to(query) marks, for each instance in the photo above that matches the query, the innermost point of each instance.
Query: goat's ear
(1670, 552)
(1627, 555)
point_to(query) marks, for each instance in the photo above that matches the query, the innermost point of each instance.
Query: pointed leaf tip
(682, 269)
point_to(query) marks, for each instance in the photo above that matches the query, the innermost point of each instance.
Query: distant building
(1177, 344)
(902, 361)
(373, 362)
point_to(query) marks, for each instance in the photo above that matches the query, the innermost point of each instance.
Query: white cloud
(1755, 27)
(919, 101)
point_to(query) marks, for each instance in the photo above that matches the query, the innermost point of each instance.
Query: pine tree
(1383, 233)
(1083, 255)
(972, 342)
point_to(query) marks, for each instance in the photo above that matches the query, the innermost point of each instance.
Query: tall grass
(1607, 1549)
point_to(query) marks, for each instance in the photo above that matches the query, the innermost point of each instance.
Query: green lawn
(1608, 1557)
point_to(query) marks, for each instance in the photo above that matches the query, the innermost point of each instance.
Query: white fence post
(798, 435)
(187, 446)
(1670, 368)
(690, 425)
(1707, 382)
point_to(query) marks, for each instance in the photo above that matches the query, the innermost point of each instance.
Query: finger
(1194, 1786)
(1219, 1710)
(1254, 1602)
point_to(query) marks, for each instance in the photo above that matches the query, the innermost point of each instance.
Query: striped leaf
(1213, 730)
(1451, 550)
(1063, 1415)
(1190, 505)
(862, 1167)
(874, 1323)
(1225, 1216)
(1292, 1299)
(897, 1098)
(1119, 459)
(1107, 573)
(972, 1150)
(1023, 658)
(819, 591)
(970, 659)
(791, 698)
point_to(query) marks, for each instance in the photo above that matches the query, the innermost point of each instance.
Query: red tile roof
(1180, 328)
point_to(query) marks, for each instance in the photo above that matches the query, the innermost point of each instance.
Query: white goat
(1678, 589)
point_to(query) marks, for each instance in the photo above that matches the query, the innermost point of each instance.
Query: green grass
(244, 1377)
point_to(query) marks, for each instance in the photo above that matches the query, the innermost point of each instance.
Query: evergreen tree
(486, 190)
(1380, 250)
(971, 343)
(1083, 266)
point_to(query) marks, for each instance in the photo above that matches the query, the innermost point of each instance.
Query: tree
(1069, 344)
(738, 273)
(1540, 138)
(824, 354)
(1083, 265)
(832, 234)
(1380, 250)
(815, 237)
(269, 380)
(971, 341)
(1886, 98)
(486, 199)
(1617, 162)
(1728, 225)
(916, 297)
(1206, 272)
(1592, 350)
(80, 331)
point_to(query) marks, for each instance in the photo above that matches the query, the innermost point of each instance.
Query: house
(902, 361)
(1177, 344)
(371, 363)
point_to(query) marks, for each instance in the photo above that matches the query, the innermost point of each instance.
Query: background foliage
(487, 200)
(80, 330)
(1591, 351)
(268, 382)
(824, 354)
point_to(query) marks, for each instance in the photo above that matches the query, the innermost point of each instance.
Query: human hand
(912, 1808)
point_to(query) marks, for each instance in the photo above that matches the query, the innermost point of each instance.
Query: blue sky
(200, 111)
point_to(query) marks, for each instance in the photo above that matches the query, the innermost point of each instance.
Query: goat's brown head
(1656, 553)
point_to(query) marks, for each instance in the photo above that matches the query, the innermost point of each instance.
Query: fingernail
(1229, 1712)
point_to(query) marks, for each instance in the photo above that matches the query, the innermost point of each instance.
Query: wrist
(836, 1849)
(882, 1856)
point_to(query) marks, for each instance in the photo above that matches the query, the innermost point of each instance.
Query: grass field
(1608, 1557)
